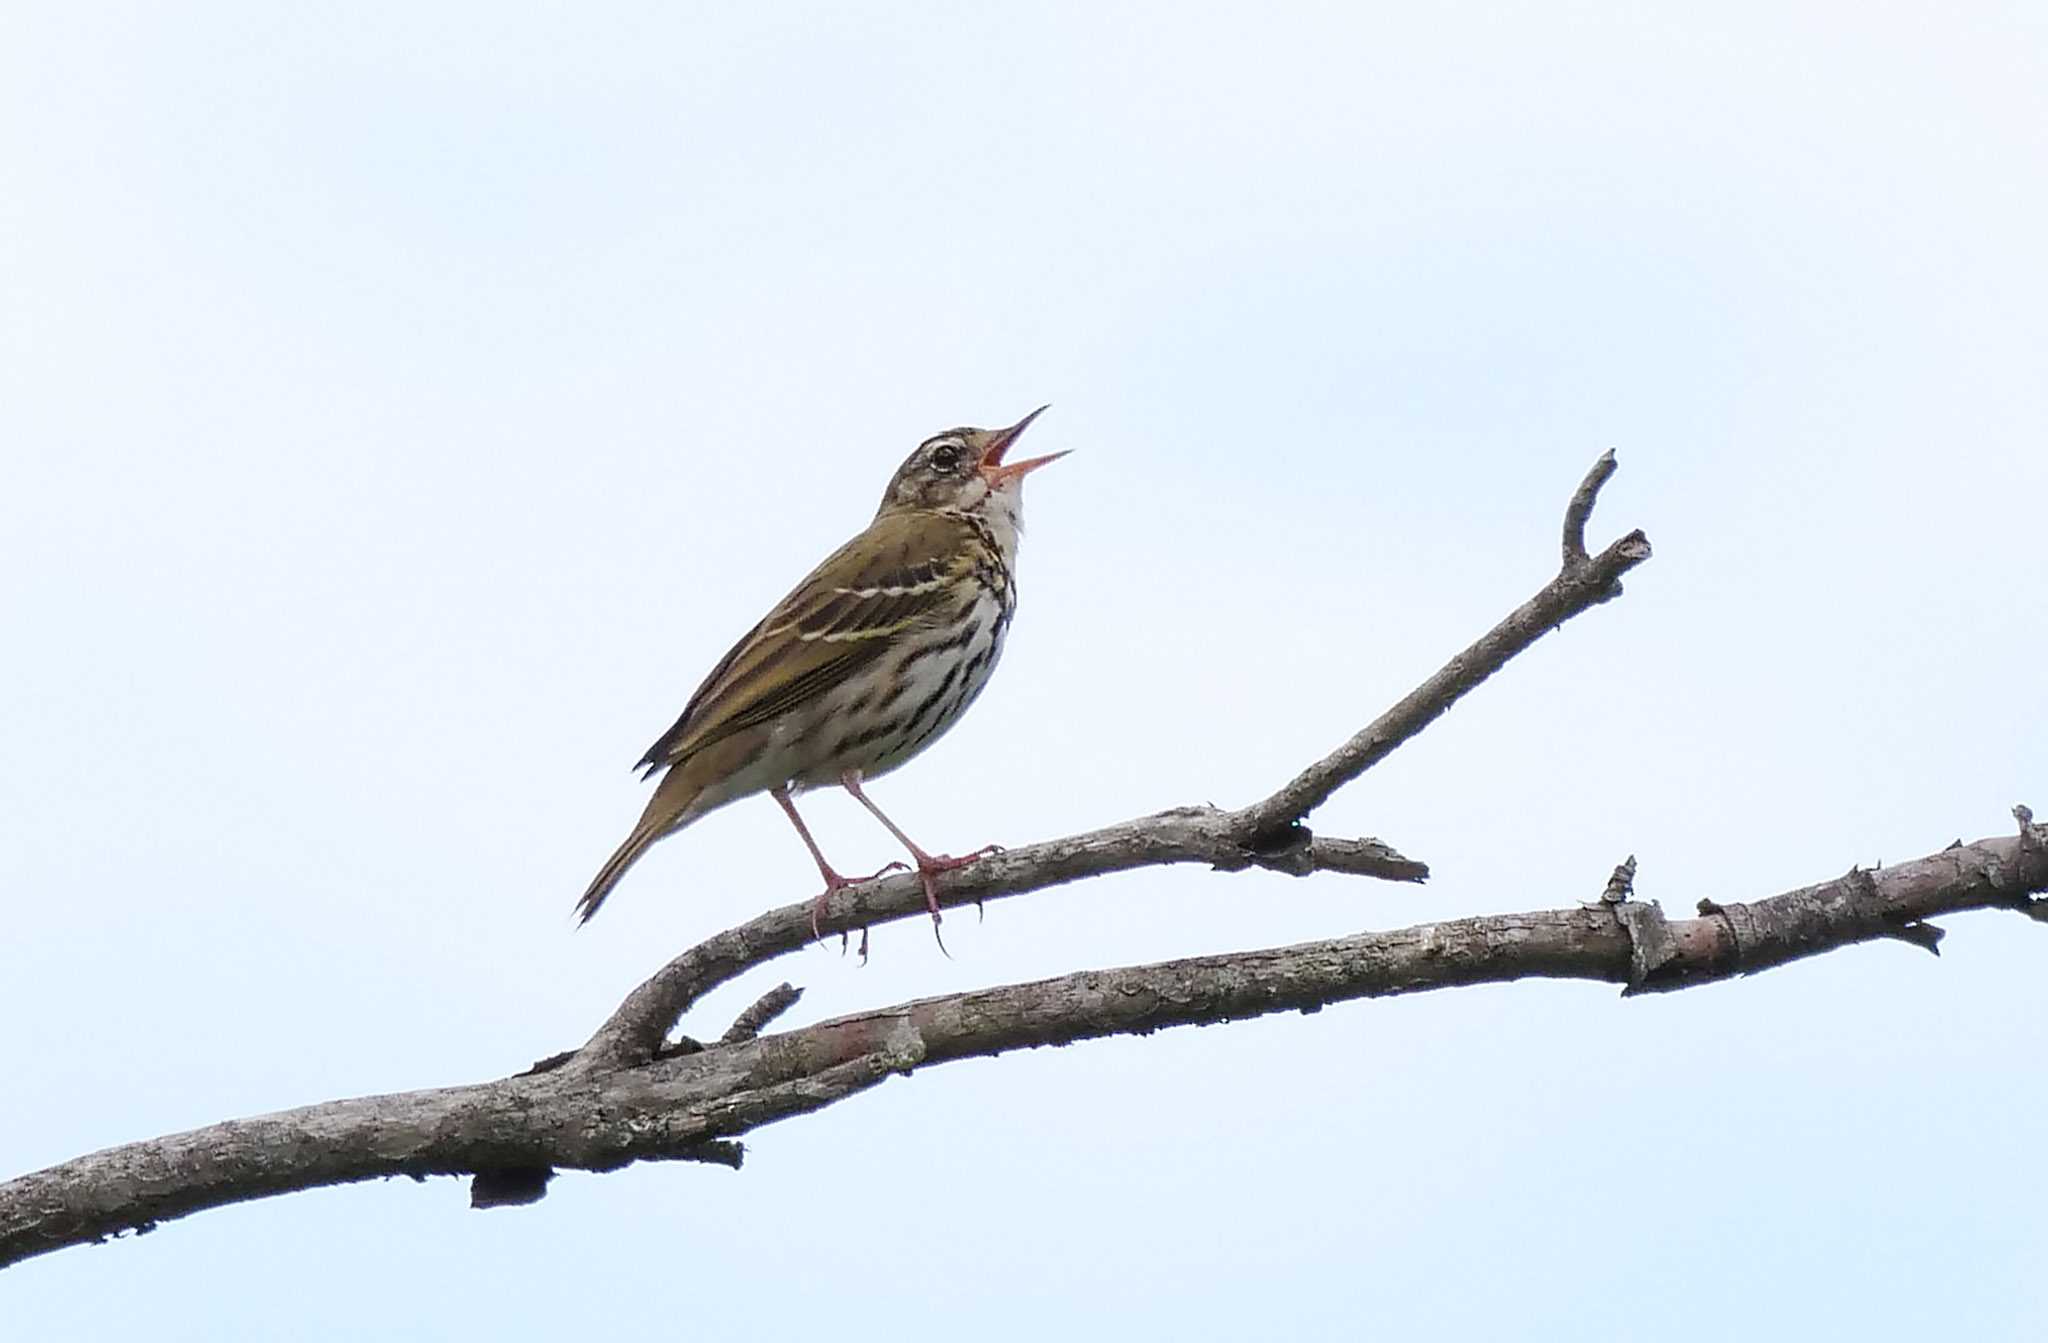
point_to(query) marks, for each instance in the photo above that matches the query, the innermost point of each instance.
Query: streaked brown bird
(864, 664)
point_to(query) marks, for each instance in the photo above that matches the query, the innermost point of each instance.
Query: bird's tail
(669, 810)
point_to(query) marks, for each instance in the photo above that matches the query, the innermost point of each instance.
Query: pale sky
(402, 407)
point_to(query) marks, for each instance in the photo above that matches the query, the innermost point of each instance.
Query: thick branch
(682, 1107)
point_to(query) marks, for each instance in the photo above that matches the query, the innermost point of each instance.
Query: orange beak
(992, 467)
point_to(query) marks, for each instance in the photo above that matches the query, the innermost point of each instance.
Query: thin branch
(1579, 512)
(683, 1107)
(766, 1008)
(1579, 586)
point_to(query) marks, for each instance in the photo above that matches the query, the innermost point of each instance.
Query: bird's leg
(833, 881)
(929, 865)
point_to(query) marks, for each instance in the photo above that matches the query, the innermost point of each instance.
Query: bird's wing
(897, 575)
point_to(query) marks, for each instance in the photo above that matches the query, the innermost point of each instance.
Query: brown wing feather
(843, 616)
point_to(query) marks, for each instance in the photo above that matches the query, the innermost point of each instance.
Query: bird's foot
(929, 868)
(834, 883)
(930, 865)
(942, 862)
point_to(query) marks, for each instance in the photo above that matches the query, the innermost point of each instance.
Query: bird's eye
(945, 457)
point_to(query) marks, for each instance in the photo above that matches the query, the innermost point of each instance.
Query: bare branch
(1579, 512)
(1267, 834)
(510, 1186)
(626, 1097)
(1580, 585)
(1184, 835)
(755, 1019)
(682, 1107)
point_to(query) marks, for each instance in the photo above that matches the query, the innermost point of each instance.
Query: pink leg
(929, 865)
(833, 881)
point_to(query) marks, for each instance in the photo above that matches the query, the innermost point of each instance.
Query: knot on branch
(1622, 884)
(1851, 908)
(1651, 946)
(510, 1186)
(2033, 836)
(1860, 887)
(1281, 849)
(1300, 852)
(2034, 847)
(2019, 878)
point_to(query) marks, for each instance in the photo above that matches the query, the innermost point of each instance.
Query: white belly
(894, 709)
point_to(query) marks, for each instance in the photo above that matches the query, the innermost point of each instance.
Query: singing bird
(864, 664)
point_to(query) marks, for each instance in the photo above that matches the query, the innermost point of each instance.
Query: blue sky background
(403, 406)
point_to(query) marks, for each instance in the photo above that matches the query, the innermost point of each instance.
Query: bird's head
(964, 470)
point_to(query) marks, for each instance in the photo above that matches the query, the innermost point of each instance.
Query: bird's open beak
(992, 466)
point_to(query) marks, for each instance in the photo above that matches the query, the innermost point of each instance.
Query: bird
(867, 661)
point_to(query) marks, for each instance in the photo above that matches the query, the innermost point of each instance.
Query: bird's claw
(930, 865)
(834, 883)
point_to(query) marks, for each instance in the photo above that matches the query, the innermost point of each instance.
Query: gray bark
(630, 1094)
